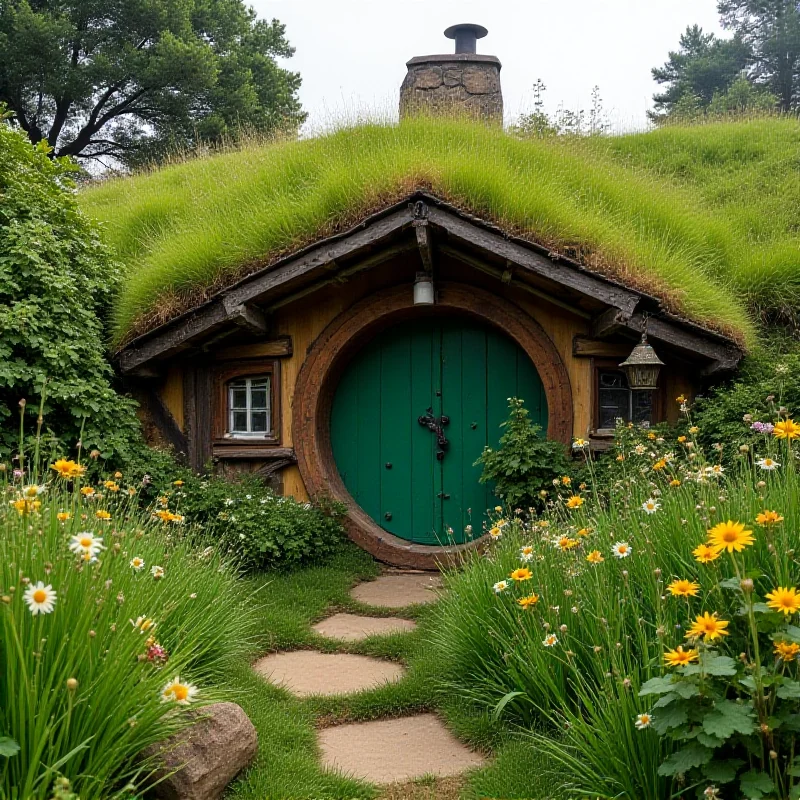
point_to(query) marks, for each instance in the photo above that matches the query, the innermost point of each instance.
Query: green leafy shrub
(125, 605)
(524, 463)
(768, 379)
(57, 281)
(571, 624)
(261, 529)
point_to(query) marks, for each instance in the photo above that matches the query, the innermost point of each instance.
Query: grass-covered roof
(707, 218)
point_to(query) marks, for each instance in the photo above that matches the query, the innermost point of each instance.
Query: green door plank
(396, 433)
(476, 495)
(425, 508)
(344, 417)
(452, 397)
(368, 431)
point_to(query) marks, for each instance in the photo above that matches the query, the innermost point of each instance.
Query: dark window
(617, 401)
(250, 407)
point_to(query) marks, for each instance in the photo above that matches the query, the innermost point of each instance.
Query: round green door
(411, 388)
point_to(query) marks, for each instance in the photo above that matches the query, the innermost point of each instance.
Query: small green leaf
(755, 784)
(693, 755)
(728, 718)
(657, 686)
(712, 665)
(670, 717)
(789, 690)
(8, 747)
(722, 771)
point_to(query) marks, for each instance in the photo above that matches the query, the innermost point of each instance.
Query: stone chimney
(460, 83)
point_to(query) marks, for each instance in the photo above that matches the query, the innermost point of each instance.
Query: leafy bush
(261, 529)
(56, 284)
(525, 462)
(82, 682)
(571, 624)
(763, 384)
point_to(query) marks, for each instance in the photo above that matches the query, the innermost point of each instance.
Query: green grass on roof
(705, 218)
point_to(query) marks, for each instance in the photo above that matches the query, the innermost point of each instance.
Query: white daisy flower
(526, 553)
(137, 563)
(621, 550)
(86, 543)
(30, 492)
(176, 691)
(551, 640)
(651, 505)
(640, 449)
(40, 598)
(500, 587)
(767, 463)
(157, 572)
(643, 721)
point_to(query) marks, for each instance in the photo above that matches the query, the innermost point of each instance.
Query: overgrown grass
(570, 666)
(81, 683)
(636, 208)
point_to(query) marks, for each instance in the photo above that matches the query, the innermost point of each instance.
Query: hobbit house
(372, 363)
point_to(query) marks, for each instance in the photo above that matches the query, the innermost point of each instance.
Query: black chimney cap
(466, 36)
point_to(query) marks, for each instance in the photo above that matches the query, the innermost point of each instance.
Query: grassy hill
(706, 218)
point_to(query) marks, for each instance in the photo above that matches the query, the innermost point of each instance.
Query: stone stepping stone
(392, 750)
(353, 628)
(307, 672)
(398, 589)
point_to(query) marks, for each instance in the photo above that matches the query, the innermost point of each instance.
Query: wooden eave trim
(239, 303)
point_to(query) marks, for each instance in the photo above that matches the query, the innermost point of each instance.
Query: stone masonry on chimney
(459, 83)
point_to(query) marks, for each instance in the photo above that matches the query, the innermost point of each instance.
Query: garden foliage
(258, 528)
(110, 623)
(524, 463)
(56, 284)
(648, 638)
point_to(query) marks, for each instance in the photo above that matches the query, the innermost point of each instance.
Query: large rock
(206, 757)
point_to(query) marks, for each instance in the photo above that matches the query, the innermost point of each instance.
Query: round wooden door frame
(345, 336)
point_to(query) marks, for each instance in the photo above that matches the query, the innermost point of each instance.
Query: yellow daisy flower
(786, 429)
(730, 536)
(680, 657)
(766, 518)
(784, 599)
(705, 554)
(521, 574)
(595, 557)
(708, 626)
(683, 588)
(576, 501)
(787, 651)
(529, 601)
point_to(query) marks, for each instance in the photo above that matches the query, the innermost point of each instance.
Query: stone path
(307, 672)
(398, 589)
(391, 750)
(354, 628)
(382, 751)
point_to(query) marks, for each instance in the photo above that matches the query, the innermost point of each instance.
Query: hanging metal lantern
(642, 366)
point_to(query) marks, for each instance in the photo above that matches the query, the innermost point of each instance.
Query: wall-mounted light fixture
(642, 366)
(424, 294)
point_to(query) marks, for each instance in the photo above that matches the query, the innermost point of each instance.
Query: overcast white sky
(352, 53)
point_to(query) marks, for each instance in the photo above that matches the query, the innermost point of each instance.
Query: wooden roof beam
(570, 276)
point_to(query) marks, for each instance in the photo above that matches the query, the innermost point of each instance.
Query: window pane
(612, 380)
(259, 422)
(238, 398)
(614, 404)
(642, 406)
(258, 398)
(239, 422)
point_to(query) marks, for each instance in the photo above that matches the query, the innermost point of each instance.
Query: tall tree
(128, 78)
(771, 28)
(702, 67)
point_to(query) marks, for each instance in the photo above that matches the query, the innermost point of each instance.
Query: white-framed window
(250, 407)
